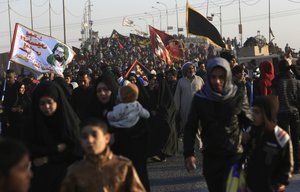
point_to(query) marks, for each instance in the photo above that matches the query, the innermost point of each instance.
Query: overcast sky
(108, 15)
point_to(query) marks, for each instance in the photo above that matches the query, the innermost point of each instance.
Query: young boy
(100, 170)
(270, 162)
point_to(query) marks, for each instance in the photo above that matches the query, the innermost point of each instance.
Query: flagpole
(5, 82)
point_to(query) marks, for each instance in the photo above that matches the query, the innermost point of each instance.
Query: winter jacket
(220, 122)
(270, 162)
(126, 115)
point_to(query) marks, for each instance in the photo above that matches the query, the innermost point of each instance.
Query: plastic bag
(236, 181)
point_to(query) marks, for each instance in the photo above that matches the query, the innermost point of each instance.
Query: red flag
(166, 46)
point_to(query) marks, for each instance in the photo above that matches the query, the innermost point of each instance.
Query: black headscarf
(96, 107)
(64, 120)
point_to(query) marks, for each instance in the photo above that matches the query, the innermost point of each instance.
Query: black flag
(198, 25)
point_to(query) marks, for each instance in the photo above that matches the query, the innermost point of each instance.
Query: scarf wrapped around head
(229, 90)
(267, 72)
(185, 68)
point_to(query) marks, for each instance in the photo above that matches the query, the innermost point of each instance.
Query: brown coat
(105, 173)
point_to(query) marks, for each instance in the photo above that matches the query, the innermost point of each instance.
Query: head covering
(129, 93)
(64, 122)
(229, 90)
(284, 66)
(227, 55)
(270, 106)
(185, 68)
(96, 107)
(267, 72)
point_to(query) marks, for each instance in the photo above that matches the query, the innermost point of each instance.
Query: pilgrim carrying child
(100, 170)
(270, 163)
(129, 111)
(129, 127)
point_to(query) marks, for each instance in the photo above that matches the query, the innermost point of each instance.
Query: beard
(58, 58)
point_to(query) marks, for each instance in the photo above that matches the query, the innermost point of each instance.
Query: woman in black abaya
(54, 137)
(162, 137)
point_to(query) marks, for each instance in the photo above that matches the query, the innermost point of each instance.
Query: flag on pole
(166, 46)
(271, 32)
(140, 41)
(120, 39)
(197, 24)
(39, 51)
(127, 22)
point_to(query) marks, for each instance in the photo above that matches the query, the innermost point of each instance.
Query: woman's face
(103, 93)
(22, 89)
(19, 176)
(47, 105)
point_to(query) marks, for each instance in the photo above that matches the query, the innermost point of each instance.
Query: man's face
(93, 140)
(68, 79)
(11, 78)
(217, 79)
(19, 176)
(258, 116)
(84, 81)
(191, 71)
(59, 54)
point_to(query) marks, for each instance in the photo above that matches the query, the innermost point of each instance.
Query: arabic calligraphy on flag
(39, 52)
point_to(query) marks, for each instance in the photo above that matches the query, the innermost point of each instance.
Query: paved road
(171, 176)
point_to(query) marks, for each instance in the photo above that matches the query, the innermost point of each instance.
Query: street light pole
(146, 13)
(166, 13)
(159, 16)
(145, 22)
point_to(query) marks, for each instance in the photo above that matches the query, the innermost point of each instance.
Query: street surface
(171, 176)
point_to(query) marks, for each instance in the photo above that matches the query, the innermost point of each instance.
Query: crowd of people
(95, 127)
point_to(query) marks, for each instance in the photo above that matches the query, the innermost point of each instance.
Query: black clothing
(221, 134)
(132, 143)
(270, 162)
(10, 98)
(47, 133)
(96, 108)
(81, 98)
(19, 118)
(287, 88)
(162, 132)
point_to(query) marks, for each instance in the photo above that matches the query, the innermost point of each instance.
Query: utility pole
(269, 21)
(166, 13)
(90, 22)
(176, 6)
(9, 20)
(64, 22)
(221, 21)
(206, 8)
(31, 14)
(240, 25)
(50, 18)
(159, 16)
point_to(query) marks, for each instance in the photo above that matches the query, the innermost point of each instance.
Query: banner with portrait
(39, 52)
